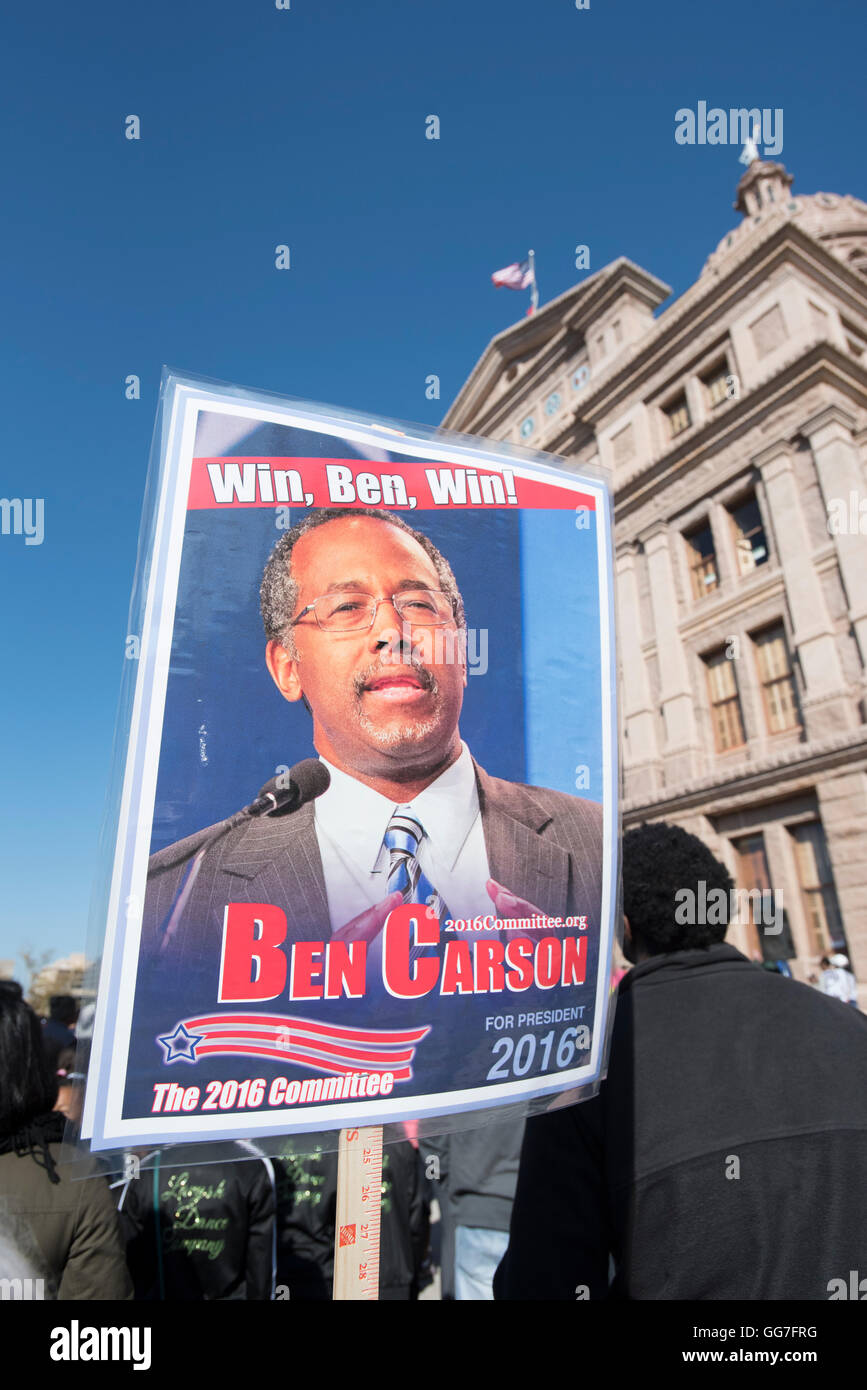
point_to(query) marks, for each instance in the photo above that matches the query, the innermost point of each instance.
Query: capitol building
(734, 425)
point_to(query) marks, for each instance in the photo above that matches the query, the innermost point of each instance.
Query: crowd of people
(722, 1157)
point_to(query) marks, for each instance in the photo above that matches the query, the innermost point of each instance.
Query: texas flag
(518, 276)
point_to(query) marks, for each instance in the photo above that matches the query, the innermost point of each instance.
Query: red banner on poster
(253, 481)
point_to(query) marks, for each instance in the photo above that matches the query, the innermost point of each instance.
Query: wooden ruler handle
(359, 1211)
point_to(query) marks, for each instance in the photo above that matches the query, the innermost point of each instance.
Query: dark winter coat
(724, 1157)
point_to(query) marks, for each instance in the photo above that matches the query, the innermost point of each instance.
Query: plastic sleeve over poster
(365, 861)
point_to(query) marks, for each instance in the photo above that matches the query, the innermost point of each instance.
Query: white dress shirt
(351, 820)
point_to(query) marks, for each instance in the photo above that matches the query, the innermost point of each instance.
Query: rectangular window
(817, 888)
(702, 561)
(618, 331)
(750, 541)
(678, 416)
(715, 383)
(775, 674)
(725, 705)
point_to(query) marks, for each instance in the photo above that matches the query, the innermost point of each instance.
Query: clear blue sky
(307, 127)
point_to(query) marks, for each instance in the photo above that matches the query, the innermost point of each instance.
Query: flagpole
(534, 290)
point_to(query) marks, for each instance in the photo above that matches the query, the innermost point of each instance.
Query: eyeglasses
(345, 611)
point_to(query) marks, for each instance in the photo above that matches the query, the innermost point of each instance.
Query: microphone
(289, 791)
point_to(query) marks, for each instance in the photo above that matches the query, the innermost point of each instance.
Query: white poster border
(102, 1121)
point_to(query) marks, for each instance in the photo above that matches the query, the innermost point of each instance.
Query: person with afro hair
(660, 860)
(724, 1154)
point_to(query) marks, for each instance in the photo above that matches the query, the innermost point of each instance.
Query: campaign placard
(365, 863)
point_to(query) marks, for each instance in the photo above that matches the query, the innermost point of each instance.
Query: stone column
(827, 704)
(695, 399)
(841, 479)
(723, 544)
(739, 933)
(784, 881)
(676, 696)
(843, 805)
(641, 753)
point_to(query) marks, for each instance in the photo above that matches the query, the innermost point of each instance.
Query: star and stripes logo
(304, 1042)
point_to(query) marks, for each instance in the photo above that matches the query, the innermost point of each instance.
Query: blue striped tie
(402, 839)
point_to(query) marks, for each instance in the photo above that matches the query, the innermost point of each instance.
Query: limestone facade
(734, 424)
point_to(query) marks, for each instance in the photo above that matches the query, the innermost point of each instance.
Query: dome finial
(763, 185)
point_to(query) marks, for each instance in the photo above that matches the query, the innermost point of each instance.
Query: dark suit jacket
(543, 845)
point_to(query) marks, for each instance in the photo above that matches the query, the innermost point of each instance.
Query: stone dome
(764, 197)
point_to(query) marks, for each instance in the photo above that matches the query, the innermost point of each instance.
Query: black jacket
(724, 1156)
(200, 1231)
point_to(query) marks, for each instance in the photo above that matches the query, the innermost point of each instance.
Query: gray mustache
(426, 677)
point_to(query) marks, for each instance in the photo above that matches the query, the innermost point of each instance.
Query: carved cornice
(821, 364)
(749, 594)
(714, 297)
(711, 793)
(781, 449)
(832, 414)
